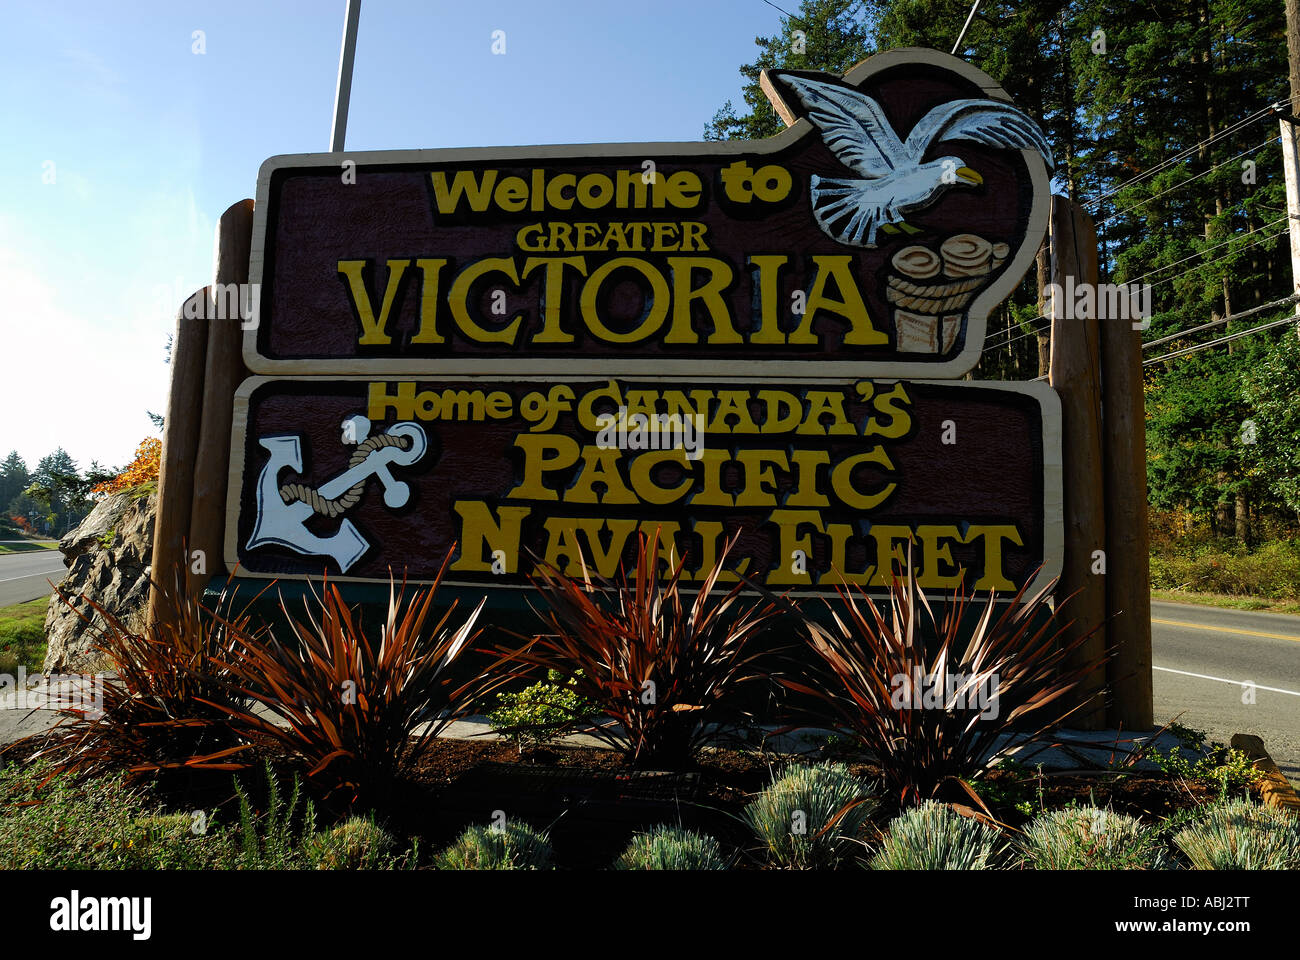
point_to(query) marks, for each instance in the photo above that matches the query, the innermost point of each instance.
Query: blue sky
(122, 146)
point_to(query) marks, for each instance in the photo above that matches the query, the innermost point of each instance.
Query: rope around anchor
(295, 492)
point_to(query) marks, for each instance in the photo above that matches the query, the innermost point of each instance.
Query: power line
(789, 16)
(1198, 176)
(1150, 273)
(1019, 336)
(1192, 149)
(1285, 301)
(1201, 266)
(1276, 304)
(1221, 340)
(1262, 238)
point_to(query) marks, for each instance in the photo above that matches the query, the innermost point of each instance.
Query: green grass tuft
(804, 819)
(935, 837)
(513, 846)
(22, 635)
(1091, 838)
(1241, 835)
(671, 848)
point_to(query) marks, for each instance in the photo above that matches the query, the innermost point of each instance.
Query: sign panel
(364, 476)
(871, 238)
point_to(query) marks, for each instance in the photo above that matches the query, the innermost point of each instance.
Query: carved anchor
(283, 524)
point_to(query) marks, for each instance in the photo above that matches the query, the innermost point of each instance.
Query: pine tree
(13, 478)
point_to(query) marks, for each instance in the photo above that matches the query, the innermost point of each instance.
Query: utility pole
(1290, 134)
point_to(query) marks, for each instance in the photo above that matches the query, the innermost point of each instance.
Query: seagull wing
(990, 122)
(853, 126)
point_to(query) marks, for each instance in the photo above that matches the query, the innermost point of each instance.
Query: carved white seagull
(896, 181)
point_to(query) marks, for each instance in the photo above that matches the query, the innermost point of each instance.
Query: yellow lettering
(481, 536)
(372, 331)
(842, 480)
(656, 308)
(709, 294)
(850, 304)
(459, 300)
(535, 446)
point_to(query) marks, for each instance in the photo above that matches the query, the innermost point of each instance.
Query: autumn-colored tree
(143, 469)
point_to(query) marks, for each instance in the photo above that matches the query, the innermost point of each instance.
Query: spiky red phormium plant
(1014, 649)
(359, 712)
(661, 667)
(156, 708)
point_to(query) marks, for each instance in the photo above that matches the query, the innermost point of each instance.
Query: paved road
(1203, 655)
(24, 576)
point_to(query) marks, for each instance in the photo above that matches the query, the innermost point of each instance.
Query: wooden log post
(179, 449)
(1075, 376)
(1128, 580)
(223, 372)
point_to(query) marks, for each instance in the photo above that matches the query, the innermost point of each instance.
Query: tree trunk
(1043, 265)
(1224, 522)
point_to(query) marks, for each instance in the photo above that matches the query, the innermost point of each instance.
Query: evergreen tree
(836, 35)
(60, 488)
(1271, 435)
(13, 477)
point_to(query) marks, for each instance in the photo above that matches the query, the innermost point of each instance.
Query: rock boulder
(108, 558)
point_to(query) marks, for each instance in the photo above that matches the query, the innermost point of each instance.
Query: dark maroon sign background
(993, 474)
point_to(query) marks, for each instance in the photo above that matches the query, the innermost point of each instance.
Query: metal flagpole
(343, 92)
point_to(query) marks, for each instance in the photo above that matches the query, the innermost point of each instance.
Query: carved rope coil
(295, 492)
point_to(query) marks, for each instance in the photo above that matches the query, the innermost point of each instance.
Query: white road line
(38, 573)
(1235, 683)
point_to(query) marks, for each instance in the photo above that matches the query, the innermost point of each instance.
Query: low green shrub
(808, 815)
(512, 846)
(1270, 570)
(933, 836)
(538, 714)
(1241, 835)
(357, 843)
(57, 821)
(54, 822)
(1016, 786)
(672, 848)
(1216, 765)
(270, 840)
(1090, 838)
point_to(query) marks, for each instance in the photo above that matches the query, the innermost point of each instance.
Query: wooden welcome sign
(536, 352)
(871, 239)
(815, 482)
